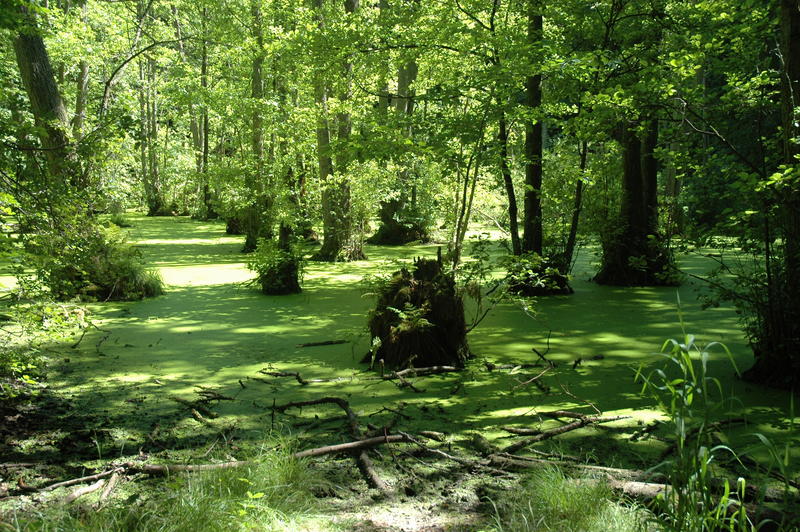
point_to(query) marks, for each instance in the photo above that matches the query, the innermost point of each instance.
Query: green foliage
(119, 220)
(692, 398)
(548, 500)
(531, 274)
(86, 261)
(26, 327)
(279, 271)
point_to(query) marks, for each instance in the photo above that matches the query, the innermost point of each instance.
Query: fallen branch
(294, 374)
(534, 380)
(363, 460)
(167, 469)
(547, 434)
(352, 446)
(491, 366)
(326, 342)
(81, 480)
(505, 460)
(472, 464)
(112, 483)
(84, 490)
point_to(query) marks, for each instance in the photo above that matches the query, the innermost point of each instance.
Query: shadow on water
(211, 331)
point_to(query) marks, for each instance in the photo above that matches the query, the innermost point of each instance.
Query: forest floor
(133, 384)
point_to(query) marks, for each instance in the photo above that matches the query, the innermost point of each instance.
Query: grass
(276, 494)
(548, 500)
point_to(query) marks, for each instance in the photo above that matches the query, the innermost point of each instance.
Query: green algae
(211, 330)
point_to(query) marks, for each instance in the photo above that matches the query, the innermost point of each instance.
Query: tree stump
(419, 320)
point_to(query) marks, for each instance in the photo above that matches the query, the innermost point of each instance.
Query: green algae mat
(140, 373)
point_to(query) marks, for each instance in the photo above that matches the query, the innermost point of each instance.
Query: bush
(119, 220)
(24, 328)
(279, 271)
(89, 262)
(533, 275)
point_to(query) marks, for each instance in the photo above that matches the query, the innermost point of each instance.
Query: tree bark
(650, 176)
(336, 215)
(254, 181)
(532, 221)
(47, 106)
(505, 170)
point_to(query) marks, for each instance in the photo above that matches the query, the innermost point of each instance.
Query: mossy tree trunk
(532, 218)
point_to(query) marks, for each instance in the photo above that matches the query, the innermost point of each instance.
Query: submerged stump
(419, 320)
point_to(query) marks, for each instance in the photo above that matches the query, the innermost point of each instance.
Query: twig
(533, 380)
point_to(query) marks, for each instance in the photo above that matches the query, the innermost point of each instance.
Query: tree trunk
(207, 204)
(505, 170)
(650, 176)
(790, 45)
(336, 215)
(630, 257)
(569, 249)
(254, 181)
(47, 106)
(399, 221)
(532, 221)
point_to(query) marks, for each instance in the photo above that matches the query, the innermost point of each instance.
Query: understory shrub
(279, 271)
(25, 330)
(87, 261)
(768, 313)
(531, 274)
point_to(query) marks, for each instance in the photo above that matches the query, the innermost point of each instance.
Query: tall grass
(276, 494)
(691, 398)
(548, 500)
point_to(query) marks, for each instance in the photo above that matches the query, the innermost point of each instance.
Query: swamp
(469, 265)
